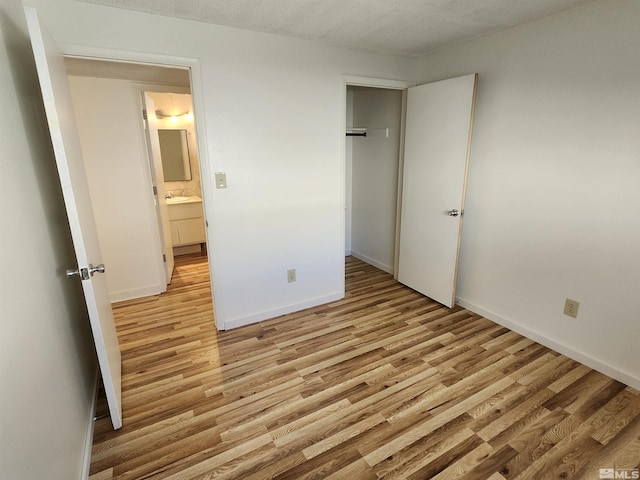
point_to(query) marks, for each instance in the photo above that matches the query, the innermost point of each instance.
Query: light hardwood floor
(382, 384)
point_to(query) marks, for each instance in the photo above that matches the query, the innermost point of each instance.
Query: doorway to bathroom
(147, 208)
(78, 190)
(175, 172)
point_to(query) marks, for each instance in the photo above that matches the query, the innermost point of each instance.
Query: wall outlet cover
(571, 307)
(291, 275)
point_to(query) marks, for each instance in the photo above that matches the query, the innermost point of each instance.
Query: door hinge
(144, 114)
(164, 258)
(155, 190)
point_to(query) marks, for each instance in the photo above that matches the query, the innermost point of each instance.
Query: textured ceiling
(396, 27)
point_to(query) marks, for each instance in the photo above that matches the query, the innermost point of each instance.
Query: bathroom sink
(178, 199)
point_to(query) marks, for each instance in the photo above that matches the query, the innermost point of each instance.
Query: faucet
(169, 195)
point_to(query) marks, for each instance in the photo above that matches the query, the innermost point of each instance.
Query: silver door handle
(453, 213)
(98, 269)
(84, 273)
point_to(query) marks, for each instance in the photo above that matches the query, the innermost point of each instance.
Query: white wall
(274, 114)
(554, 181)
(47, 362)
(108, 116)
(375, 175)
(553, 176)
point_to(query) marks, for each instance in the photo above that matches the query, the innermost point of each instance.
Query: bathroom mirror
(174, 149)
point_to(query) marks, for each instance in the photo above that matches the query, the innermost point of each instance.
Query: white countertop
(181, 200)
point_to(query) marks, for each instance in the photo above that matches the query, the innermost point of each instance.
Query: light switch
(221, 180)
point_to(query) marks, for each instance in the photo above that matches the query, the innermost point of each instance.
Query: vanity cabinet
(187, 223)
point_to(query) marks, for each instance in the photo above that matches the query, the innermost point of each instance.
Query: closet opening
(373, 143)
(405, 193)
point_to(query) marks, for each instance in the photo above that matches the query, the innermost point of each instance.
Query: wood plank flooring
(384, 384)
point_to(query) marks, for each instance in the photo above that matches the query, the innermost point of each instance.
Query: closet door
(437, 145)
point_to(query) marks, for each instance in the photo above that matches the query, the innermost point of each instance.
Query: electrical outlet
(291, 275)
(571, 307)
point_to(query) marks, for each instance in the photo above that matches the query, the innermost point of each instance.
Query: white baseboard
(586, 359)
(123, 295)
(88, 444)
(371, 261)
(258, 317)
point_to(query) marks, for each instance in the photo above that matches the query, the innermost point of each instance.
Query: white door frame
(355, 81)
(197, 94)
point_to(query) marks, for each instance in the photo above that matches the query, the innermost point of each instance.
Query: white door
(66, 146)
(437, 145)
(157, 175)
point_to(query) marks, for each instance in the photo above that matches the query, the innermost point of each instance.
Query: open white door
(157, 176)
(66, 146)
(437, 145)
